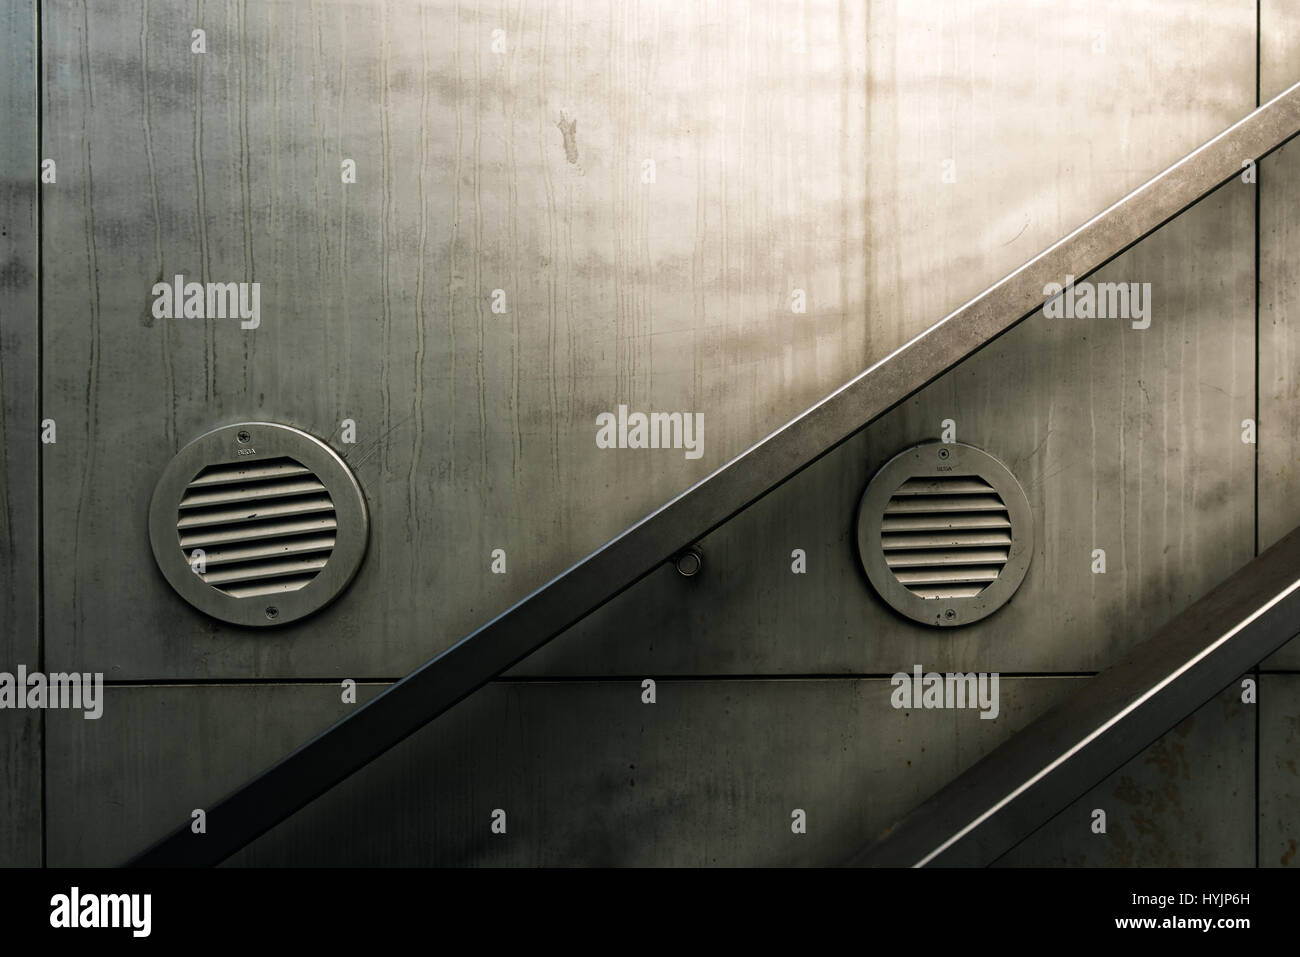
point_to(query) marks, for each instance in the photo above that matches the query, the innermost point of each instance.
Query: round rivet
(689, 563)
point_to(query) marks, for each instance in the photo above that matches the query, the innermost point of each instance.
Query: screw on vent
(945, 533)
(258, 524)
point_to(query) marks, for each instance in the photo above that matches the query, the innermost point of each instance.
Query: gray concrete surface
(614, 298)
(586, 772)
(1279, 326)
(1279, 774)
(20, 732)
(1124, 439)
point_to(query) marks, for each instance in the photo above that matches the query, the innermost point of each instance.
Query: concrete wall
(20, 350)
(889, 160)
(1279, 450)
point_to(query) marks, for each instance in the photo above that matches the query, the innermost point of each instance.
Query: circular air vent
(945, 533)
(258, 524)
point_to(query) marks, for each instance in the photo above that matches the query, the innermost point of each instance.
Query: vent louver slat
(262, 551)
(236, 494)
(973, 556)
(980, 539)
(947, 592)
(936, 523)
(247, 574)
(946, 537)
(230, 535)
(954, 502)
(253, 510)
(266, 528)
(948, 574)
(275, 468)
(277, 586)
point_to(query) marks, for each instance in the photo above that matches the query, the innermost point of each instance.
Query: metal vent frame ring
(936, 461)
(250, 443)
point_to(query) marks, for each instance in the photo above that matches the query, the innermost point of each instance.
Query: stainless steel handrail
(1022, 784)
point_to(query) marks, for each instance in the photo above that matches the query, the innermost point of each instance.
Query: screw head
(949, 614)
(944, 453)
(272, 612)
(244, 437)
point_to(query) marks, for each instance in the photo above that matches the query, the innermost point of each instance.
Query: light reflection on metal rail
(430, 690)
(1023, 783)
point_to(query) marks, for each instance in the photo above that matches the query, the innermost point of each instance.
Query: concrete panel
(1279, 54)
(1050, 111)
(20, 731)
(1124, 439)
(1279, 770)
(159, 752)
(1279, 435)
(709, 774)
(1187, 801)
(1279, 360)
(1279, 319)
(475, 429)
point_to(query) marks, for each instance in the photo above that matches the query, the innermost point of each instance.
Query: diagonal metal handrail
(436, 686)
(1023, 783)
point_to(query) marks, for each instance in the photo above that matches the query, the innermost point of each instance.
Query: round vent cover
(945, 533)
(258, 524)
